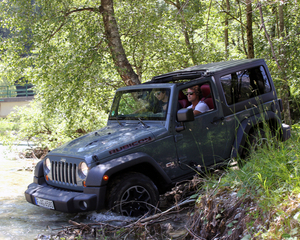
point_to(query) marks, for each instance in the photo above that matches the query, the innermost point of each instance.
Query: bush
(30, 123)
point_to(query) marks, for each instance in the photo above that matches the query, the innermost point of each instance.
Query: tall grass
(271, 176)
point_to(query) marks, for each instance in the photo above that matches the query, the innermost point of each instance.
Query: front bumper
(65, 200)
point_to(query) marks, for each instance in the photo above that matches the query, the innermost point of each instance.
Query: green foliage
(295, 103)
(5, 128)
(270, 176)
(30, 124)
(70, 68)
(61, 46)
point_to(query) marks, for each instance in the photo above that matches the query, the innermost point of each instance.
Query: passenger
(163, 99)
(193, 95)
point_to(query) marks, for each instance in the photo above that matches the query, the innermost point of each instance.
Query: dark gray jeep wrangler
(152, 140)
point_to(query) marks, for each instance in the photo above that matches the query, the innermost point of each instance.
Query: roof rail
(178, 75)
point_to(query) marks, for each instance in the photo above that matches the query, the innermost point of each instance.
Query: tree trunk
(283, 61)
(242, 28)
(115, 45)
(249, 29)
(226, 29)
(274, 26)
(185, 31)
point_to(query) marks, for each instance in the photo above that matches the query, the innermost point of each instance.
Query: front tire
(132, 194)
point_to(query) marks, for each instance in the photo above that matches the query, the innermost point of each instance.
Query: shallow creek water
(19, 219)
(22, 220)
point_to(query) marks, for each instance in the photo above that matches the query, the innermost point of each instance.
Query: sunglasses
(189, 93)
(157, 93)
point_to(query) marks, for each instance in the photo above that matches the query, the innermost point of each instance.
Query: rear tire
(255, 140)
(132, 194)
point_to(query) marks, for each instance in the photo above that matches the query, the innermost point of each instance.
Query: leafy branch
(66, 14)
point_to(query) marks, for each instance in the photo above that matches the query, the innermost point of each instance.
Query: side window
(266, 84)
(199, 97)
(242, 85)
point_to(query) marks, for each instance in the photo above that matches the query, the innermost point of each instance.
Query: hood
(108, 141)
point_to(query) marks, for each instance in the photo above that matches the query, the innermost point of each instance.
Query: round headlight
(47, 165)
(83, 170)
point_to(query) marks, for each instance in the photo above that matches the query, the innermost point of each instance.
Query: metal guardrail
(16, 91)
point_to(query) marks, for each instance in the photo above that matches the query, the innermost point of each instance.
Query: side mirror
(185, 115)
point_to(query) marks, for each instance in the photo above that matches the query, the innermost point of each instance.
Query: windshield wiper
(144, 124)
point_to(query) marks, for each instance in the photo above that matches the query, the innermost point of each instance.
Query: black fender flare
(39, 177)
(245, 127)
(111, 167)
(39, 169)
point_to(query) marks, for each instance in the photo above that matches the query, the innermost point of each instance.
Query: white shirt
(200, 107)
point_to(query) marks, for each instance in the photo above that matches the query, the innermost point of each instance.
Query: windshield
(147, 104)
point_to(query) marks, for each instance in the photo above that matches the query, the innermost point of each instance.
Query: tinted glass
(242, 85)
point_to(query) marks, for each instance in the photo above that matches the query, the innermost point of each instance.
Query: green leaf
(246, 237)
(241, 192)
(194, 196)
(230, 224)
(286, 235)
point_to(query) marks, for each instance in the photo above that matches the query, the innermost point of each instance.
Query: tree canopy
(78, 52)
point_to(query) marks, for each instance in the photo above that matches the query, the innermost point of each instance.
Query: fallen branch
(141, 225)
(167, 211)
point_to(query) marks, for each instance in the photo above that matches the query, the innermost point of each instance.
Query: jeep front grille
(63, 172)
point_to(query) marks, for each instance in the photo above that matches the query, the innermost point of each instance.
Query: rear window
(243, 85)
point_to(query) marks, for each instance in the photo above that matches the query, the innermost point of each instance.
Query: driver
(162, 98)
